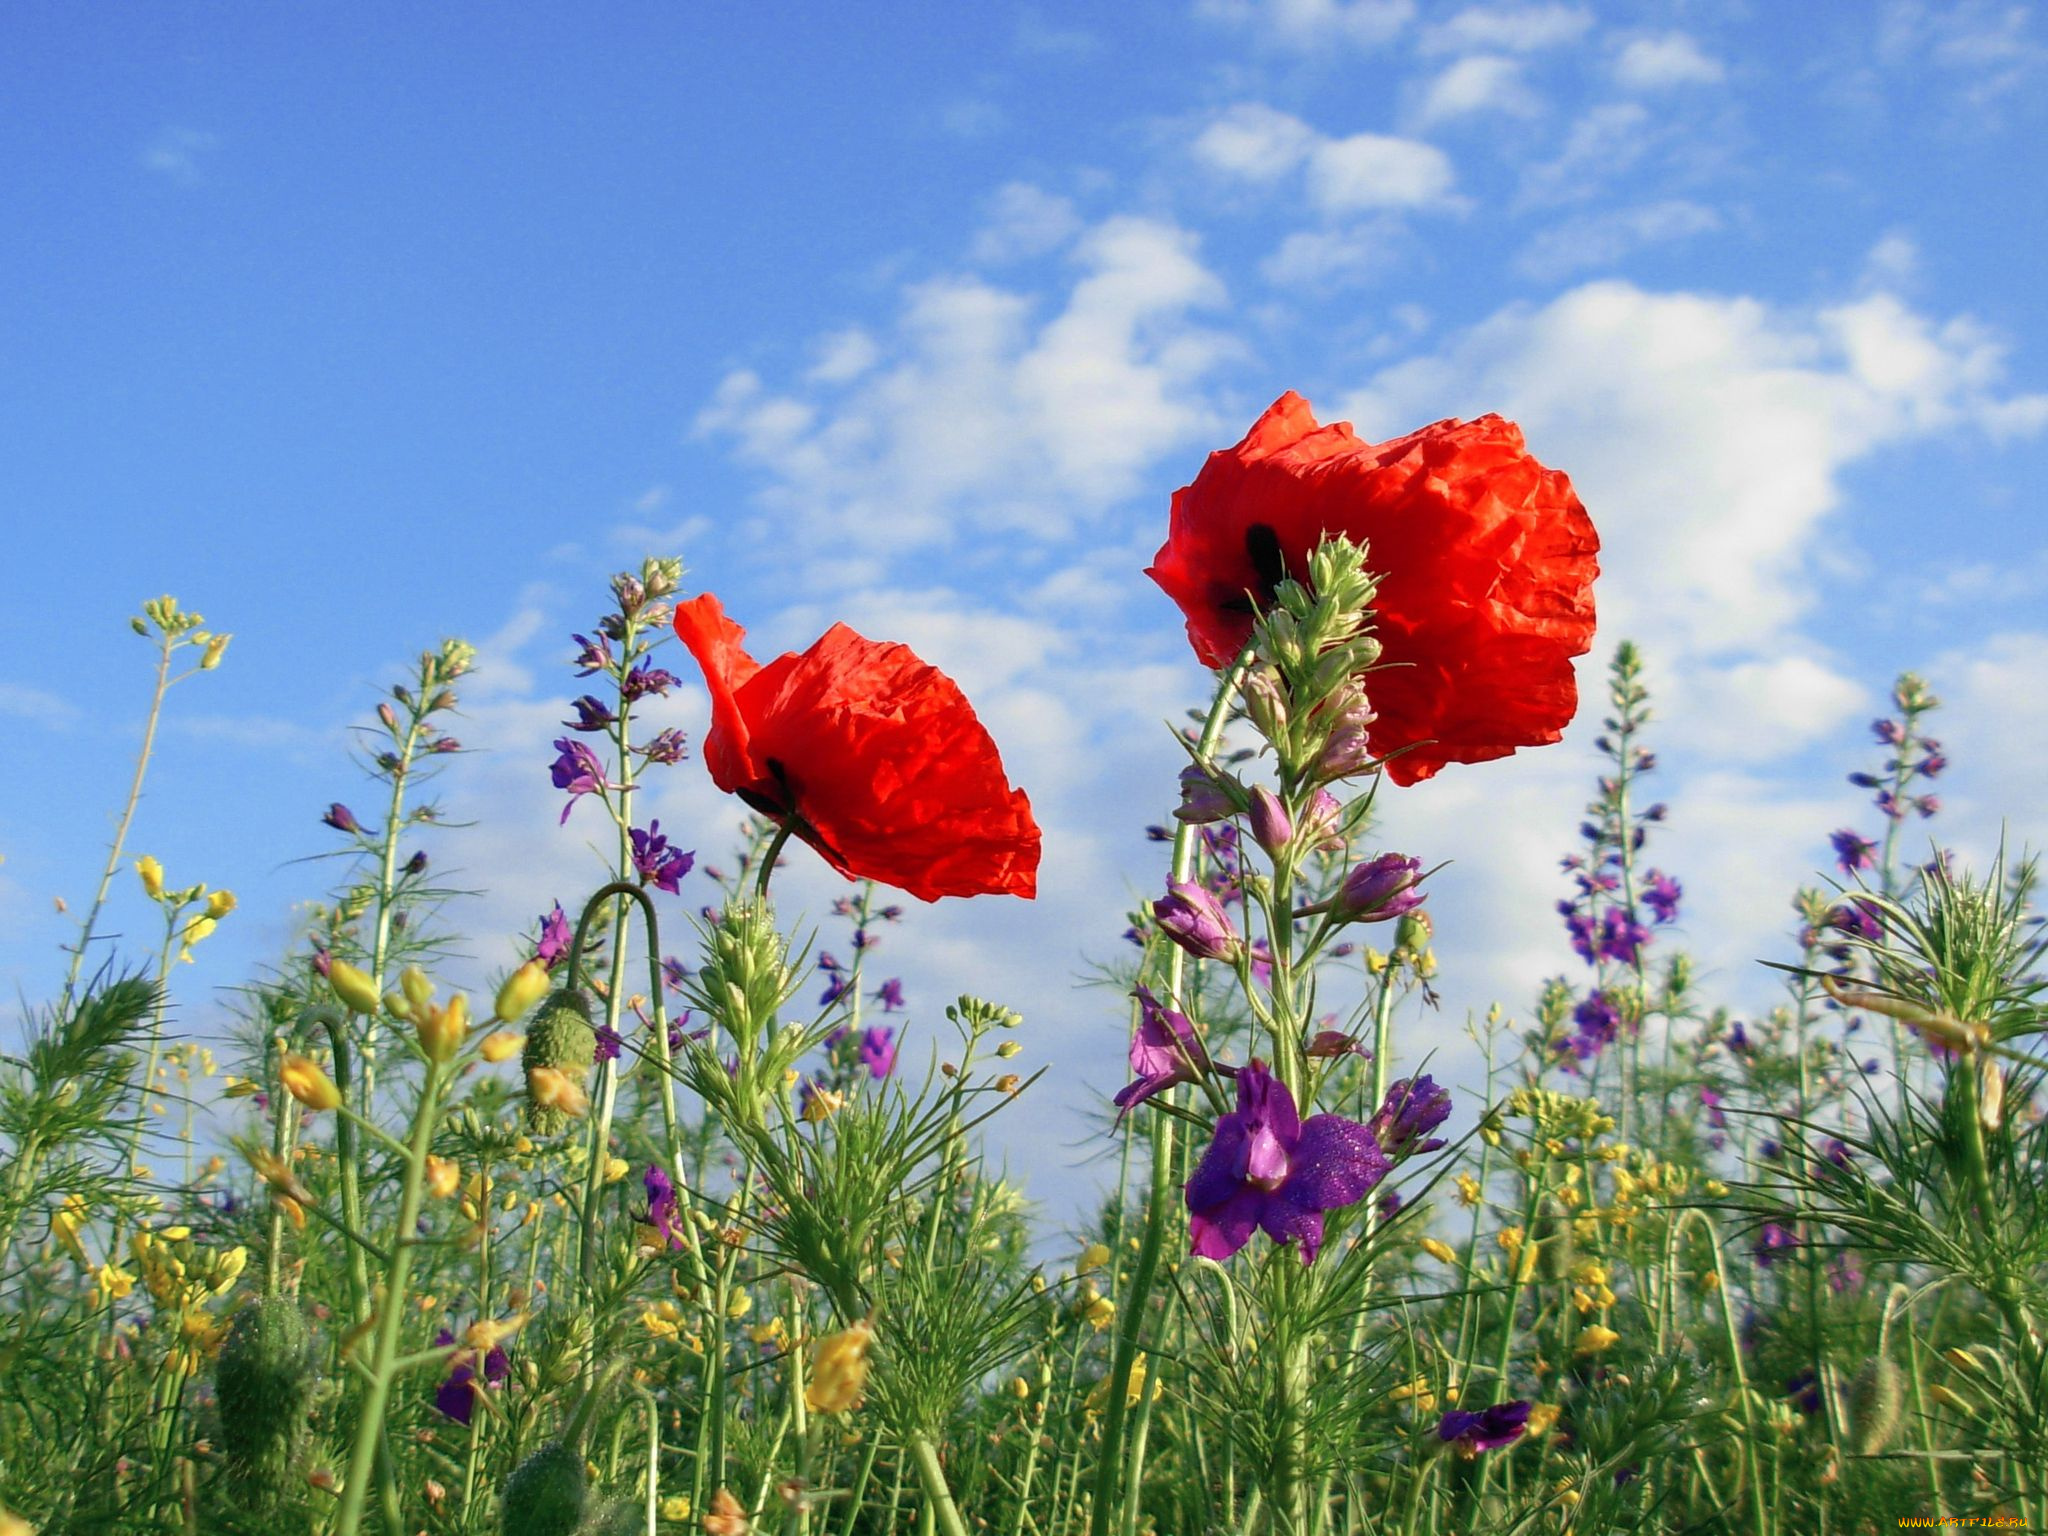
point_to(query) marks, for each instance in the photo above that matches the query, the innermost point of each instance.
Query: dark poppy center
(1269, 565)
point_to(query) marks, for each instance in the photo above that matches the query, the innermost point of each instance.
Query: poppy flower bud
(546, 1493)
(1877, 1399)
(263, 1386)
(1380, 889)
(522, 989)
(1203, 800)
(1272, 827)
(356, 991)
(304, 1081)
(1195, 920)
(562, 1039)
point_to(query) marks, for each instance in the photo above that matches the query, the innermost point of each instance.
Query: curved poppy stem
(1131, 1308)
(773, 852)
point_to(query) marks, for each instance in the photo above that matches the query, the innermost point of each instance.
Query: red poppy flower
(875, 758)
(1486, 562)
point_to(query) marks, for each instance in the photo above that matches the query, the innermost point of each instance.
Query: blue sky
(355, 326)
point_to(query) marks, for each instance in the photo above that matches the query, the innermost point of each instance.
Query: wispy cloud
(1363, 171)
(179, 154)
(1313, 24)
(1508, 29)
(1597, 240)
(1476, 84)
(1660, 63)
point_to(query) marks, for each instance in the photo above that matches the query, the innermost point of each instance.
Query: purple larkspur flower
(1931, 765)
(1596, 1023)
(862, 939)
(1738, 1037)
(1486, 1430)
(674, 973)
(669, 746)
(878, 1050)
(1622, 937)
(577, 770)
(555, 938)
(1661, 895)
(341, 818)
(1202, 799)
(608, 1043)
(1712, 1102)
(1390, 1204)
(1803, 1392)
(456, 1396)
(596, 655)
(592, 714)
(1890, 732)
(1382, 888)
(1413, 1110)
(1272, 827)
(1581, 928)
(890, 995)
(1164, 1051)
(1859, 918)
(662, 1206)
(1852, 850)
(1196, 921)
(1926, 805)
(1268, 1169)
(659, 864)
(645, 679)
(837, 986)
(1772, 1241)
(417, 864)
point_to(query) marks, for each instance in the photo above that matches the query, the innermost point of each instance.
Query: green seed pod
(264, 1382)
(562, 1036)
(1877, 1399)
(545, 1494)
(1553, 1234)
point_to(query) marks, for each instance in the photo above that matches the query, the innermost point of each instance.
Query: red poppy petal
(890, 768)
(714, 640)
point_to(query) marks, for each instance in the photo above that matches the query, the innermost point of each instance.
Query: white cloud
(1707, 435)
(1479, 82)
(1893, 263)
(984, 416)
(176, 153)
(38, 706)
(1021, 221)
(1311, 24)
(1371, 170)
(1603, 144)
(843, 356)
(1331, 258)
(1994, 730)
(1255, 143)
(1658, 63)
(1791, 701)
(1509, 29)
(1597, 240)
(1989, 45)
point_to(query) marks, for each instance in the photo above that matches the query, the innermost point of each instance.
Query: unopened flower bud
(152, 876)
(1195, 920)
(1203, 800)
(304, 1081)
(1272, 827)
(341, 818)
(839, 1372)
(216, 647)
(1379, 889)
(355, 990)
(442, 1028)
(522, 989)
(419, 990)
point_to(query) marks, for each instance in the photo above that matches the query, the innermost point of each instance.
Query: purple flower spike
(1272, 827)
(645, 679)
(1202, 800)
(1166, 1050)
(555, 938)
(592, 714)
(1380, 889)
(1858, 917)
(659, 865)
(1771, 1242)
(341, 818)
(577, 770)
(878, 1051)
(1414, 1108)
(1853, 852)
(1621, 936)
(890, 995)
(455, 1398)
(1661, 895)
(1717, 1118)
(1266, 1168)
(1487, 1430)
(1196, 921)
(608, 1043)
(596, 655)
(661, 1205)
(670, 746)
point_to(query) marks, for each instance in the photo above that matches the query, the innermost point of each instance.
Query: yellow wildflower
(770, 1332)
(355, 990)
(1100, 1312)
(418, 990)
(12, 1524)
(67, 1223)
(304, 1081)
(555, 1089)
(488, 1334)
(726, 1517)
(152, 874)
(821, 1104)
(220, 904)
(444, 1174)
(1594, 1340)
(1468, 1190)
(442, 1027)
(112, 1283)
(1541, 1417)
(839, 1371)
(615, 1169)
(675, 1509)
(1441, 1251)
(1094, 1256)
(522, 989)
(502, 1045)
